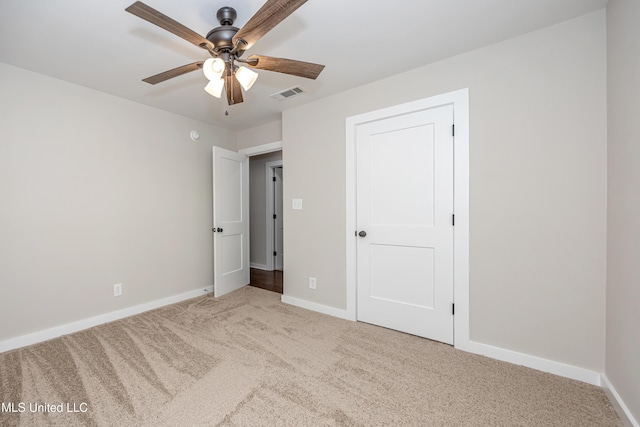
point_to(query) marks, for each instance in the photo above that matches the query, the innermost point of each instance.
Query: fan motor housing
(222, 36)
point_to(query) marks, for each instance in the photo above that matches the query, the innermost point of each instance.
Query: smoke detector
(288, 93)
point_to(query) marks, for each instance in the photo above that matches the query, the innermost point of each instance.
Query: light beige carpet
(246, 359)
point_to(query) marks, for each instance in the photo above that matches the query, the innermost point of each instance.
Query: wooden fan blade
(233, 89)
(149, 14)
(159, 78)
(286, 66)
(270, 14)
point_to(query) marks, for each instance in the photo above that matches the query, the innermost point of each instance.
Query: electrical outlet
(312, 282)
(117, 289)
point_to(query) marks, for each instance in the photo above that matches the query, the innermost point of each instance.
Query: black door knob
(219, 230)
(362, 233)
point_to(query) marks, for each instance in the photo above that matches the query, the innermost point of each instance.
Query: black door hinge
(453, 220)
(274, 179)
(453, 309)
(275, 253)
(275, 216)
(453, 130)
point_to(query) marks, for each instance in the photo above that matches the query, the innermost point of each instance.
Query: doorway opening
(266, 221)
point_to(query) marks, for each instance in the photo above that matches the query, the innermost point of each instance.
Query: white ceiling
(95, 43)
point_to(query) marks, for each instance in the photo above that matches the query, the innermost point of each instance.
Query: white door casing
(459, 101)
(404, 204)
(230, 221)
(270, 170)
(279, 219)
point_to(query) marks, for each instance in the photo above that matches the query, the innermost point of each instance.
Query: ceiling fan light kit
(213, 68)
(246, 77)
(226, 44)
(214, 87)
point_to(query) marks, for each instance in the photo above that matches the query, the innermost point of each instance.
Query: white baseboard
(618, 404)
(534, 362)
(80, 325)
(545, 365)
(324, 309)
(258, 266)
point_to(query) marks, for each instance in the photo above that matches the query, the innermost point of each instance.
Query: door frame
(256, 151)
(270, 174)
(460, 101)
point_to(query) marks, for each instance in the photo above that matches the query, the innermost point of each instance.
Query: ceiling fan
(226, 44)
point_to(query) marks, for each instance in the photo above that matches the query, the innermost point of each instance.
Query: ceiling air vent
(288, 93)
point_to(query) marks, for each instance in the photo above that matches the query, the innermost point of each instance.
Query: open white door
(230, 221)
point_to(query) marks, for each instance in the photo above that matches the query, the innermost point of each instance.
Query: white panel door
(230, 221)
(404, 205)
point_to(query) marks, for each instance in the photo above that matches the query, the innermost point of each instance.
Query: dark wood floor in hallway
(269, 280)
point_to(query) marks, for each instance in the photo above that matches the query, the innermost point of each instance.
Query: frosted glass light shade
(246, 77)
(214, 87)
(213, 68)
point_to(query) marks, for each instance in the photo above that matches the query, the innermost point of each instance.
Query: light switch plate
(296, 204)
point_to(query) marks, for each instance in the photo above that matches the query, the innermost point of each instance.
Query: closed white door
(404, 192)
(278, 220)
(230, 221)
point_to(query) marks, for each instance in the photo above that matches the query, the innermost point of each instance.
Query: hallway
(269, 280)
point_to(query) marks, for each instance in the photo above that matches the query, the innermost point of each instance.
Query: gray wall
(623, 266)
(537, 183)
(257, 193)
(259, 135)
(96, 190)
